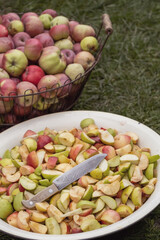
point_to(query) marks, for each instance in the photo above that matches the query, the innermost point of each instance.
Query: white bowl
(68, 120)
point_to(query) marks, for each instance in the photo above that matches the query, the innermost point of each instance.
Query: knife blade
(65, 179)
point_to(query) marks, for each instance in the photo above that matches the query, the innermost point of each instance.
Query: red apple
(77, 48)
(33, 74)
(86, 59)
(33, 49)
(20, 39)
(5, 44)
(26, 92)
(32, 159)
(52, 162)
(21, 111)
(33, 26)
(3, 31)
(48, 82)
(45, 39)
(109, 150)
(28, 14)
(59, 32)
(69, 55)
(11, 39)
(42, 141)
(9, 17)
(21, 48)
(72, 24)
(52, 12)
(10, 118)
(16, 80)
(29, 133)
(65, 84)
(21, 188)
(81, 31)
(5, 107)
(7, 88)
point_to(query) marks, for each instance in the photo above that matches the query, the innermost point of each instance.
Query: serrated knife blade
(65, 179)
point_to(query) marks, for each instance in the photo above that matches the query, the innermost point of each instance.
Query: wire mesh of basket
(18, 108)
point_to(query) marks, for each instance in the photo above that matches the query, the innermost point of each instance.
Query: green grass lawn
(126, 81)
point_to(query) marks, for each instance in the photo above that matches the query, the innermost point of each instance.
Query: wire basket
(56, 99)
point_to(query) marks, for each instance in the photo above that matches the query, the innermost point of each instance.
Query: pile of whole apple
(37, 54)
(120, 185)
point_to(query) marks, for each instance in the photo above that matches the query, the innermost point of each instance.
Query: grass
(126, 81)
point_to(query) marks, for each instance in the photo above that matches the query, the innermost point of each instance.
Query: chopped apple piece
(30, 143)
(50, 174)
(37, 227)
(54, 199)
(109, 201)
(23, 220)
(75, 150)
(49, 147)
(136, 196)
(17, 202)
(137, 175)
(85, 204)
(42, 206)
(55, 212)
(88, 193)
(41, 155)
(26, 170)
(86, 122)
(65, 198)
(66, 139)
(72, 213)
(148, 189)
(149, 171)
(86, 138)
(110, 216)
(9, 170)
(27, 183)
(125, 183)
(104, 166)
(28, 195)
(143, 161)
(63, 167)
(76, 193)
(96, 173)
(126, 193)
(84, 181)
(124, 150)
(97, 194)
(133, 136)
(65, 228)
(106, 138)
(14, 177)
(132, 158)
(12, 219)
(90, 224)
(130, 204)
(114, 162)
(121, 140)
(23, 151)
(52, 226)
(37, 216)
(99, 205)
(109, 189)
(124, 210)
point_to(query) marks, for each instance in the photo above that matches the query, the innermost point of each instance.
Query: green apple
(85, 138)
(149, 171)
(74, 71)
(125, 183)
(8, 198)
(46, 20)
(43, 103)
(136, 196)
(52, 61)
(60, 206)
(124, 210)
(99, 205)
(148, 189)
(109, 201)
(114, 162)
(15, 62)
(64, 44)
(30, 143)
(34, 177)
(85, 204)
(15, 26)
(66, 139)
(59, 20)
(65, 198)
(89, 44)
(15, 153)
(49, 174)
(132, 158)
(144, 180)
(17, 202)
(123, 167)
(38, 170)
(126, 193)
(131, 171)
(104, 166)
(90, 224)
(5, 208)
(106, 138)
(96, 173)
(86, 122)
(154, 158)
(5, 162)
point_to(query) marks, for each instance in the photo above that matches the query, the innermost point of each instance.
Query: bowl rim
(145, 209)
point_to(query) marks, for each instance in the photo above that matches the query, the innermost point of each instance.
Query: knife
(65, 179)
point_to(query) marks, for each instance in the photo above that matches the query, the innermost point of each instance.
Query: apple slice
(23, 221)
(52, 226)
(17, 202)
(99, 206)
(30, 143)
(60, 207)
(14, 177)
(28, 195)
(76, 193)
(55, 212)
(124, 210)
(123, 167)
(126, 194)
(50, 174)
(86, 138)
(15, 153)
(143, 161)
(97, 194)
(54, 199)
(32, 159)
(125, 183)
(63, 167)
(106, 138)
(84, 181)
(10, 188)
(96, 173)
(3, 190)
(85, 204)
(114, 162)
(110, 216)
(23, 151)
(65, 228)
(109, 201)
(104, 166)
(88, 193)
(130, 204)
(41, 155)
(37, 227)
(37, 216)
(75, 150)
(12, 219)
(65, 198)
(9, 170)
(90, 224)
(59, 148)
(27, 183)
(80, 158)
(109, 189)
(17, 163)
(63, 159)
(124, 150)
(5, 162)
(86, 122)
(26, 170)
(66, 139)
(149, 171)
(137, 175)
(133, 136)
(136, 196)
(132, 158)
(148, 189)
(72, 213)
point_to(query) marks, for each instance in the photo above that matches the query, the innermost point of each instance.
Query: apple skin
(33, 74)
(69, 55)
(81, 31)
(48, 82)
(21, 111)
(59, 20)
(3, 31)
(33, 26)
(42, 140)
(77, 48)
(7, 18)
(64, 80)
(85, 58)
(33, 49)
(21, 48)
(3, 74)
(51, 12)
(46, 20)
(72, 25)
(25, 15)
(59, 32)
(74, 70)
(15, 26)
(16, 80)
(20, 38)
(45, 39)
(10, 118)
(52, 61)
(14, 62)
(1, 58)
(64, 44)
(24, 88)
(6, 107)
(5, 44)
(89, 44)
(7, 88)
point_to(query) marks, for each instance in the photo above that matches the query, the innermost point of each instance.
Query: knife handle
(41, 196)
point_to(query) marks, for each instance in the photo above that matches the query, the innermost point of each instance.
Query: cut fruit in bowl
(102, 202)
